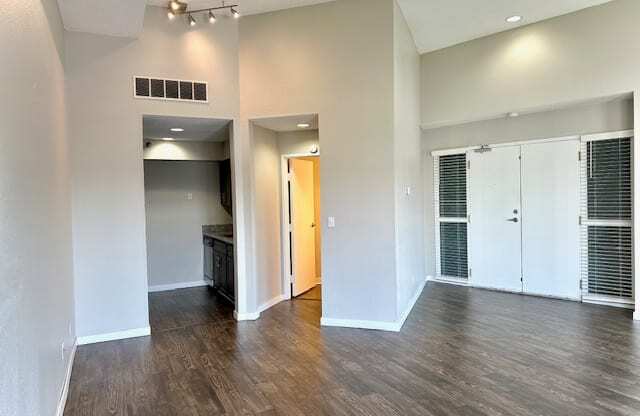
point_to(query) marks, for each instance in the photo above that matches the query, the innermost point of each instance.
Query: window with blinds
(450, 177)
(607, 252)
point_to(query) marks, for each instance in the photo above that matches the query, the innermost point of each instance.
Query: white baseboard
(376, 325)
(250, 316)
(113, 336)
(174, 286)
(448, 280)
(360, 324)
(67, 379)
(636, 315)
(268, 304)
(412, 303)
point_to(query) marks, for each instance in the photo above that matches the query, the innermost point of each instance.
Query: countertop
(219, 237)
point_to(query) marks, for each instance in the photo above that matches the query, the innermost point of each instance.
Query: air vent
(171, 89)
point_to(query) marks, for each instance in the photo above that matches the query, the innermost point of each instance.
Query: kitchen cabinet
(208, 259)
(219, 267)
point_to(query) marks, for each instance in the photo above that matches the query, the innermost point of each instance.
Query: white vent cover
(170, 89)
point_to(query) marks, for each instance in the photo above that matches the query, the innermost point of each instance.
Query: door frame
(284, 219)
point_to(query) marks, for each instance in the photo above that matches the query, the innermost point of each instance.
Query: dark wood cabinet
(208, 258)
(222, 268)
(226, 199)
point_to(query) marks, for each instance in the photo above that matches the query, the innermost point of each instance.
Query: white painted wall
(409, 210)
(587, 118)
(174, 222)
(36, 269)
(185, 150)
(267, 220)
(298, 142)
(311, 60)
(106, 133)
(575, 57)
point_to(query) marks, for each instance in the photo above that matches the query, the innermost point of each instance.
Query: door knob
(313, 224)
(513, 219)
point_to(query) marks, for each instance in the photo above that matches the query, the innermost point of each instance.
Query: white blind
(450, 185)
(607, 252)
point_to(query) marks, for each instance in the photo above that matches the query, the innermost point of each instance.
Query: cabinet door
(231, 284)
(218, 271)
(208, 262)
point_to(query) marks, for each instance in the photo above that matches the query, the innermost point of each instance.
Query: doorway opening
(302, 226)
(189, 219)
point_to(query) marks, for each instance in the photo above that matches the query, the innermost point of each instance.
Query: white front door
(302, 223)
(550, 228)
(495, 233)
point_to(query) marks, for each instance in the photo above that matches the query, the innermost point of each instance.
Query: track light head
(235, 13)
(212, 17)
(192, 21)
(178, 6)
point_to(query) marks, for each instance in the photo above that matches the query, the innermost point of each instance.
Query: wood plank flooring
(462, 351)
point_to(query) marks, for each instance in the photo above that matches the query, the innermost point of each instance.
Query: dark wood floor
(314, 294)
(461, 352)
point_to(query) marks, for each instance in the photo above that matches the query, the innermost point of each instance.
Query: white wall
(36, 273)
(588, 54)
(409, 210)
(174, 222)
(587, 118)
(185, 150)
(311, 60)
(298, 142)
(267, 220)
(106, 134)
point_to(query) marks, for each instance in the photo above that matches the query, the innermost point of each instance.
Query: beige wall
(174, 222)
(587, 118)
(36, 267)
(575, 57)
(409, 210)
(106, 135)
(311, 60)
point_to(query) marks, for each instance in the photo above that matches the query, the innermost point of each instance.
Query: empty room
(319, 207)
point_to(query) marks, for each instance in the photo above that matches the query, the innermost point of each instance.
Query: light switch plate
(331, 222)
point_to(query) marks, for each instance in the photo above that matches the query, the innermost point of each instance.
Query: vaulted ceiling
(435, 24)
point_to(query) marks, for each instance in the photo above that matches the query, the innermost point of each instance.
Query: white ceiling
(288, 123)
(436, 24)
(246, 7)
(105, 17)
(195, 129)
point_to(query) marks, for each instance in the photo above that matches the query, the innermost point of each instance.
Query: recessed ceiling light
(513, 19)
(304, 125)
(177, 129)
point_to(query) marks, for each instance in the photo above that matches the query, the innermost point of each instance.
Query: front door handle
(514, 219)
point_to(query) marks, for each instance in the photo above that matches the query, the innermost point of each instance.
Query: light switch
(189, 196)
(331, 222)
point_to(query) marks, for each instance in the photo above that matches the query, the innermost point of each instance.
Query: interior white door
(495, 244)
(550, 228)
(302, 222)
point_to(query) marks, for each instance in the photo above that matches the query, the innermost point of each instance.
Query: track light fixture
(177, 7)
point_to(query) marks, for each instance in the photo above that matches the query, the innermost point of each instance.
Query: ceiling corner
(121, 18)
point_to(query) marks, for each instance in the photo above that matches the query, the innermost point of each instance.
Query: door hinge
(468, 164)
(469, 219)
(579, 156)
(580, 220)
(469, 272)
(521, 279)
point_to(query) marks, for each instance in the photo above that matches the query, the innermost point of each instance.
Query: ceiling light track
(176, 8)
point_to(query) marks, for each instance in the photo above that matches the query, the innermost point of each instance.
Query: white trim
(460, 150)
(249, 316)
(287, 279)
(272, 302)
(449, 280)
(612, 303)
(607, 223)
(636, 316)
(67, 380)
(412, 303)
(113, 336)
(174, 286)
(607, 136)
(360, 324)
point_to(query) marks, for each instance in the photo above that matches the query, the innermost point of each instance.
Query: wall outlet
(331, 222)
